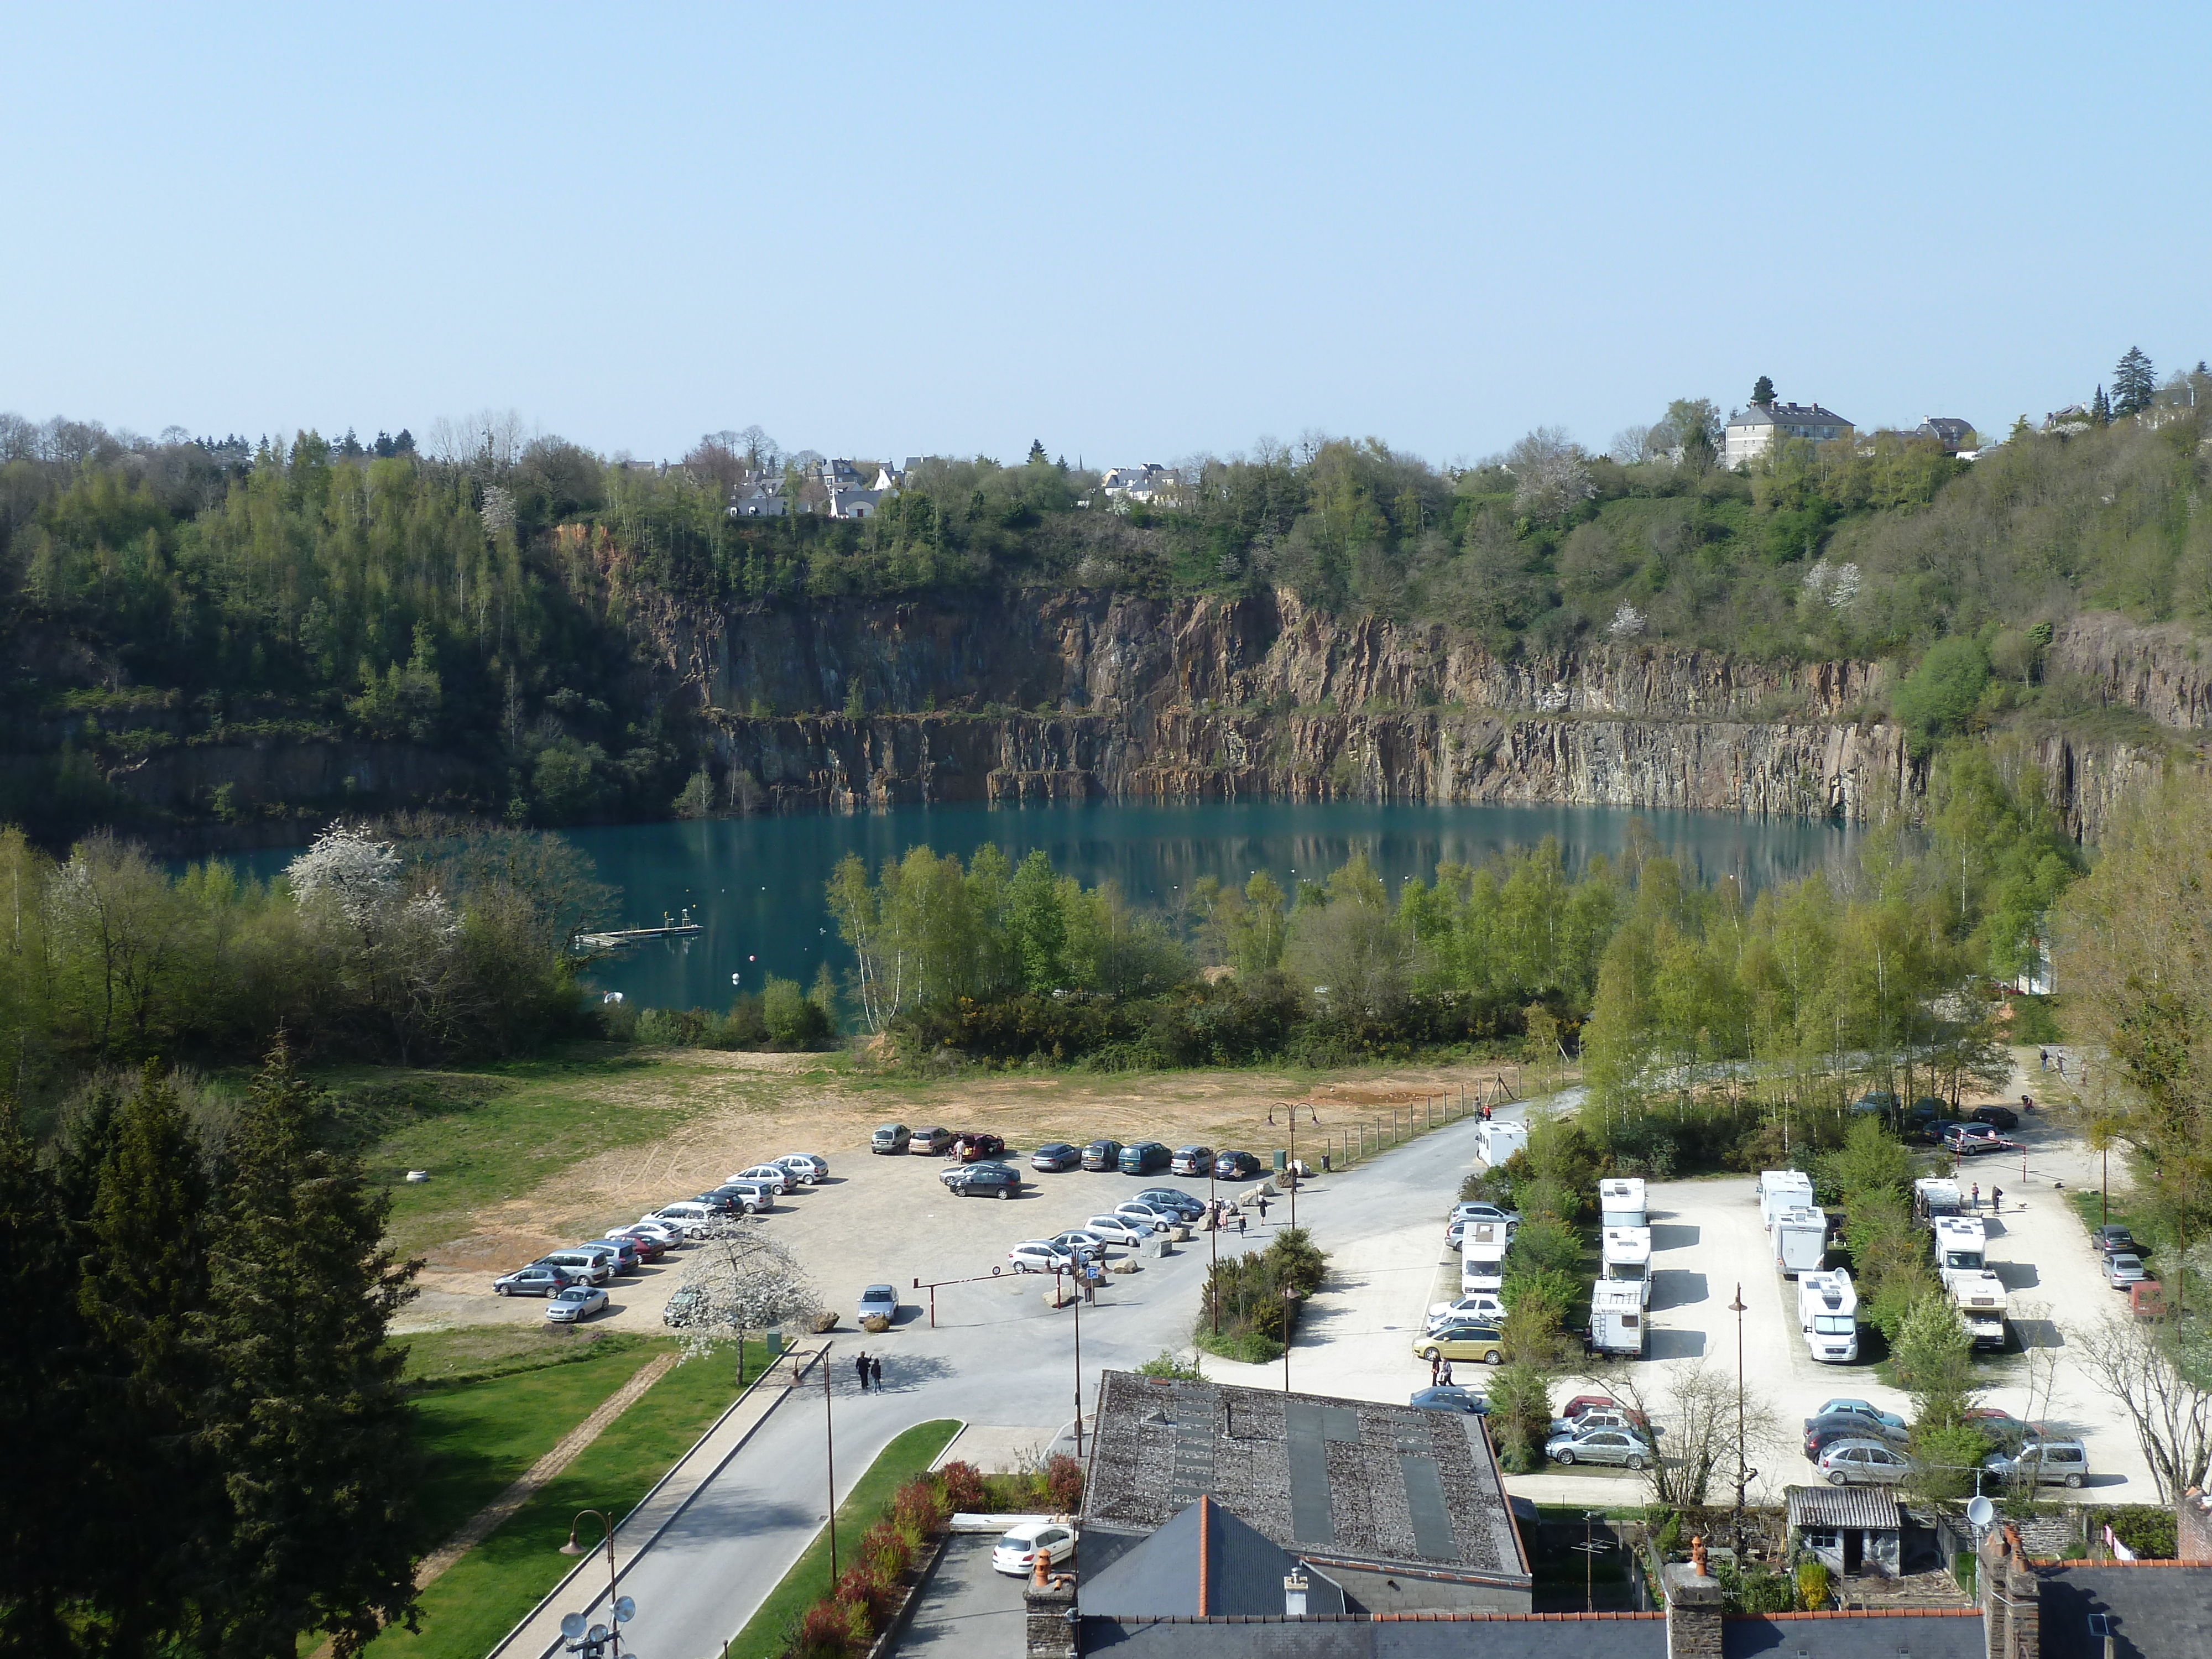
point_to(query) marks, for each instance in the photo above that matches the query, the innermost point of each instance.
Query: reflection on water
(756, 884)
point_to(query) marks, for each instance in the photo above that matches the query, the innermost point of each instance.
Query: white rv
(1961, 1246)
(1828, 1315)
(1626, 1256)
(1616, 1319)
(1495, 1142)
(1780, 1190)
(1620, 1203)
(1482, 1265)
(1933, 1197)
(1980, 1300)
(1799, 1240)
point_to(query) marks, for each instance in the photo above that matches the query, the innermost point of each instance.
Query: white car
(877, 1301)
(1017, 1552)
(577, 1303)
(1118, 1229)
(807, 1167)
(1081, 1240)
(772, 1176)
(667, 1232)
(1480, 1305)
(1040, 1255)
(694, 1220)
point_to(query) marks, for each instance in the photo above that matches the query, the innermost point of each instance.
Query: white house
(1149, 483)
(1753, 431)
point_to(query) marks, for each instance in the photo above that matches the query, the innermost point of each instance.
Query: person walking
(1263, 1209)
(1436, 1369)
(875, 1372)
(1242, 1218)
(1996, 1200)
(2044, 1055)
(1445, 1377)
(1975, 1198)
(860, 1366)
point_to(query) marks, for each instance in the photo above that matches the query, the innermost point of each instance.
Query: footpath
(584, 1589)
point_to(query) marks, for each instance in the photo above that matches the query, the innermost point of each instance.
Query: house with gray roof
(1751, 433)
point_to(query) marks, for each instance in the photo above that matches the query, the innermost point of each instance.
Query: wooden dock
(614, 939)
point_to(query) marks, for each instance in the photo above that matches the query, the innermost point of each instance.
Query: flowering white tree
(1837, 584)
(403, 948)
(1627, 622)
(742, 1280)
(350, 867)
(1550, 473)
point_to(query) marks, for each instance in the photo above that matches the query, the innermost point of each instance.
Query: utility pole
(829, 1446)
(1743, 1476)
(1082, 1270)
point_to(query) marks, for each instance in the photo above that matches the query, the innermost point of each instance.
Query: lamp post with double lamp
(1742, 1474)
(597, 1641)
(1290, 1318)
(829, 1455)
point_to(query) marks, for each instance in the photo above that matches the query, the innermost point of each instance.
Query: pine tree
(306, 1416)
(1037, 457)
(2101, 410)
(1762, 392)
(2134, 383)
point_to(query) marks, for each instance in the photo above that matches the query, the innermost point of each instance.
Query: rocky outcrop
(2158, 670)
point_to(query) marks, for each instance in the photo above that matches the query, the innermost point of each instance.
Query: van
(592, 1266)
(1828, 1316)
(2046, 1462)
(1481, 1267)
(1616, 1319)
(1961, 1244)
(1934, 1198)
(1799, 1239)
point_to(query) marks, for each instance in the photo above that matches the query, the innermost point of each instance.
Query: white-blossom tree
(350, 867)
(741, 1280)
(401, 946)
(1550, 473)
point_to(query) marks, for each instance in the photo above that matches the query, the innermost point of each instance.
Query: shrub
(1936, 698)
(1063, 1482)
(2149, 1532)
(1171, 1365)
(861, 1588)
(963, 1487)
(828, 1630)
(1812, 1585)
(886, 1551)
(918, 1508)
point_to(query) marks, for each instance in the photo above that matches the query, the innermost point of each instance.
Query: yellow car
(1483, 1342)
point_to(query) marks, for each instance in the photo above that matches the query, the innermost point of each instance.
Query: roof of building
(1786, 415)
(2156, 1610)
(1353, 1482)
(1919, 1632)
(1206, 1562)
(1823, 1507)
(1948, 427)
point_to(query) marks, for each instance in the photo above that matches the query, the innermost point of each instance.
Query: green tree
(1762, 392)
(2134, 383)
(306, 1417)
(1040, 928)
(1939, 696)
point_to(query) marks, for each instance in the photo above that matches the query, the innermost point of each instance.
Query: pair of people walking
(869, 1371)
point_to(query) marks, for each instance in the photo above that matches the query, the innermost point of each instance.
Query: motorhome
(1495, 1142)
(1620, 1202)
(1800, 1241)
(1979, 1297)
(1780, 1190)
(1616, 1319)
(1625, 1254)
(1828, 1315)
(1935, 1196)
(1961, 1246)
(1482, 1265)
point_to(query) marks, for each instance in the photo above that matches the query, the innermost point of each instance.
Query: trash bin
(1282, 1160)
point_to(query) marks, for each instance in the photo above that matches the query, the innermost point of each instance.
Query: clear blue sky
(1135, 233)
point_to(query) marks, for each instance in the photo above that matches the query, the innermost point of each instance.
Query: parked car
(810, 1167)
(975, 1146)
(2123, 1269)
(750, 1197)
(1119, 1229)
(1484, 1342)
(2113, 1239)
(1143, 1157)
(1137, 1212)
(1602, 1417)
(1476, 1210)
(2001, 1426)
(1102, 1155)
(1040, 1255)
(1972, 1139)
(1588, 1403)
(1081, 1241)
(693, 1219)
(1862, 1464)
(1482, 1305)
(578, 1302)
(1175, 1199)
(1888, 1420)
(536, 1279)
(890, 1137)
(1191, 1161)
(1601, 1446)
(688, 1302)
(627, 1257)
(2045, 1462)
(1054, 1157)
(1235, 1166)
(931, 1142)
(878, 1301)
(1016, 1551)
(774, 1176)
(1451, 1399)
(1998, 1117)
(984, 1181)
(1822, 1432)
(588, 1266)
(667, 1234)
(648, 1247)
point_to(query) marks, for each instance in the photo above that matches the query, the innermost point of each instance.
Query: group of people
(1996, 1199)
(869, 1371)
(1231, 1218)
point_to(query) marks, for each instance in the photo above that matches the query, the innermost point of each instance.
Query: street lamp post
(1083, 1274)
(1290, 1314)
(1212, 1256)
(619, 1608)
(829, 1453)
(1742, 1477)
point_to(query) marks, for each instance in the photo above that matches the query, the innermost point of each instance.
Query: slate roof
(1918, 1632)
(1824, 1508)
(1205, 1562)
(1351, 1482)
(1502, 1636)
(1786, 415)
(2161, 1611)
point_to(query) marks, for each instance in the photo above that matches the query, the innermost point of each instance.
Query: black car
(1821, 1433)
(1054, 1157)
(2115, 1239)
(1235, 1166)
(984, 1181)
(1143, 1157)
(722, 1203)
(1102, 1155)
(2002, 1117)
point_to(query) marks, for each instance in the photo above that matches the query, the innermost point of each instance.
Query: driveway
(967, 1609)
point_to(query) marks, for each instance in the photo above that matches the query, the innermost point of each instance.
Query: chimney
(2011, 1598)
(2193, 1529)
(1051, 1624)
(1694, 1613)
(1294, 1596)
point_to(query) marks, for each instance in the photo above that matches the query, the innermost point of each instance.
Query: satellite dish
(572, 1624)
(625, 1610)
(1981, 1511)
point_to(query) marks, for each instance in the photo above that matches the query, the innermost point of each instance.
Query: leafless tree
(2171, 1415)
(1696, 1407)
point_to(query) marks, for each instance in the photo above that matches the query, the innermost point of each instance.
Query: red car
(648, 1247)
(975, 1146)
(1600, 1402)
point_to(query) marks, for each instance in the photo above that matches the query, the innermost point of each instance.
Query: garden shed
(1855, 1531)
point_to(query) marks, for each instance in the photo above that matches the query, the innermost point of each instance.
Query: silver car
(1118, 1229)
(2047, 1463)
(1623, 1446)
(878, 1301)
(2123, 1270)
(1863, 1463)
(806, 1166)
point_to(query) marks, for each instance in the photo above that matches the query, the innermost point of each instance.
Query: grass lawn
(493, 1586)
(2090, 1207)
(808, 1582)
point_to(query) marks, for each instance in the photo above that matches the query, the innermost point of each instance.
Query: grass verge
(465, 1612)
(909, 1455)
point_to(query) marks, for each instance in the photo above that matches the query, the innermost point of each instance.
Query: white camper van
(1616, 1319)
(1782, 1189)
(1482, 1265)
(1626, 1254)
(1933, 1197)
(1495, 1142)
(1620, 1202)
(1961, 1246)
(1800, 1238)
(1980, 1299)
(1828, 1314)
